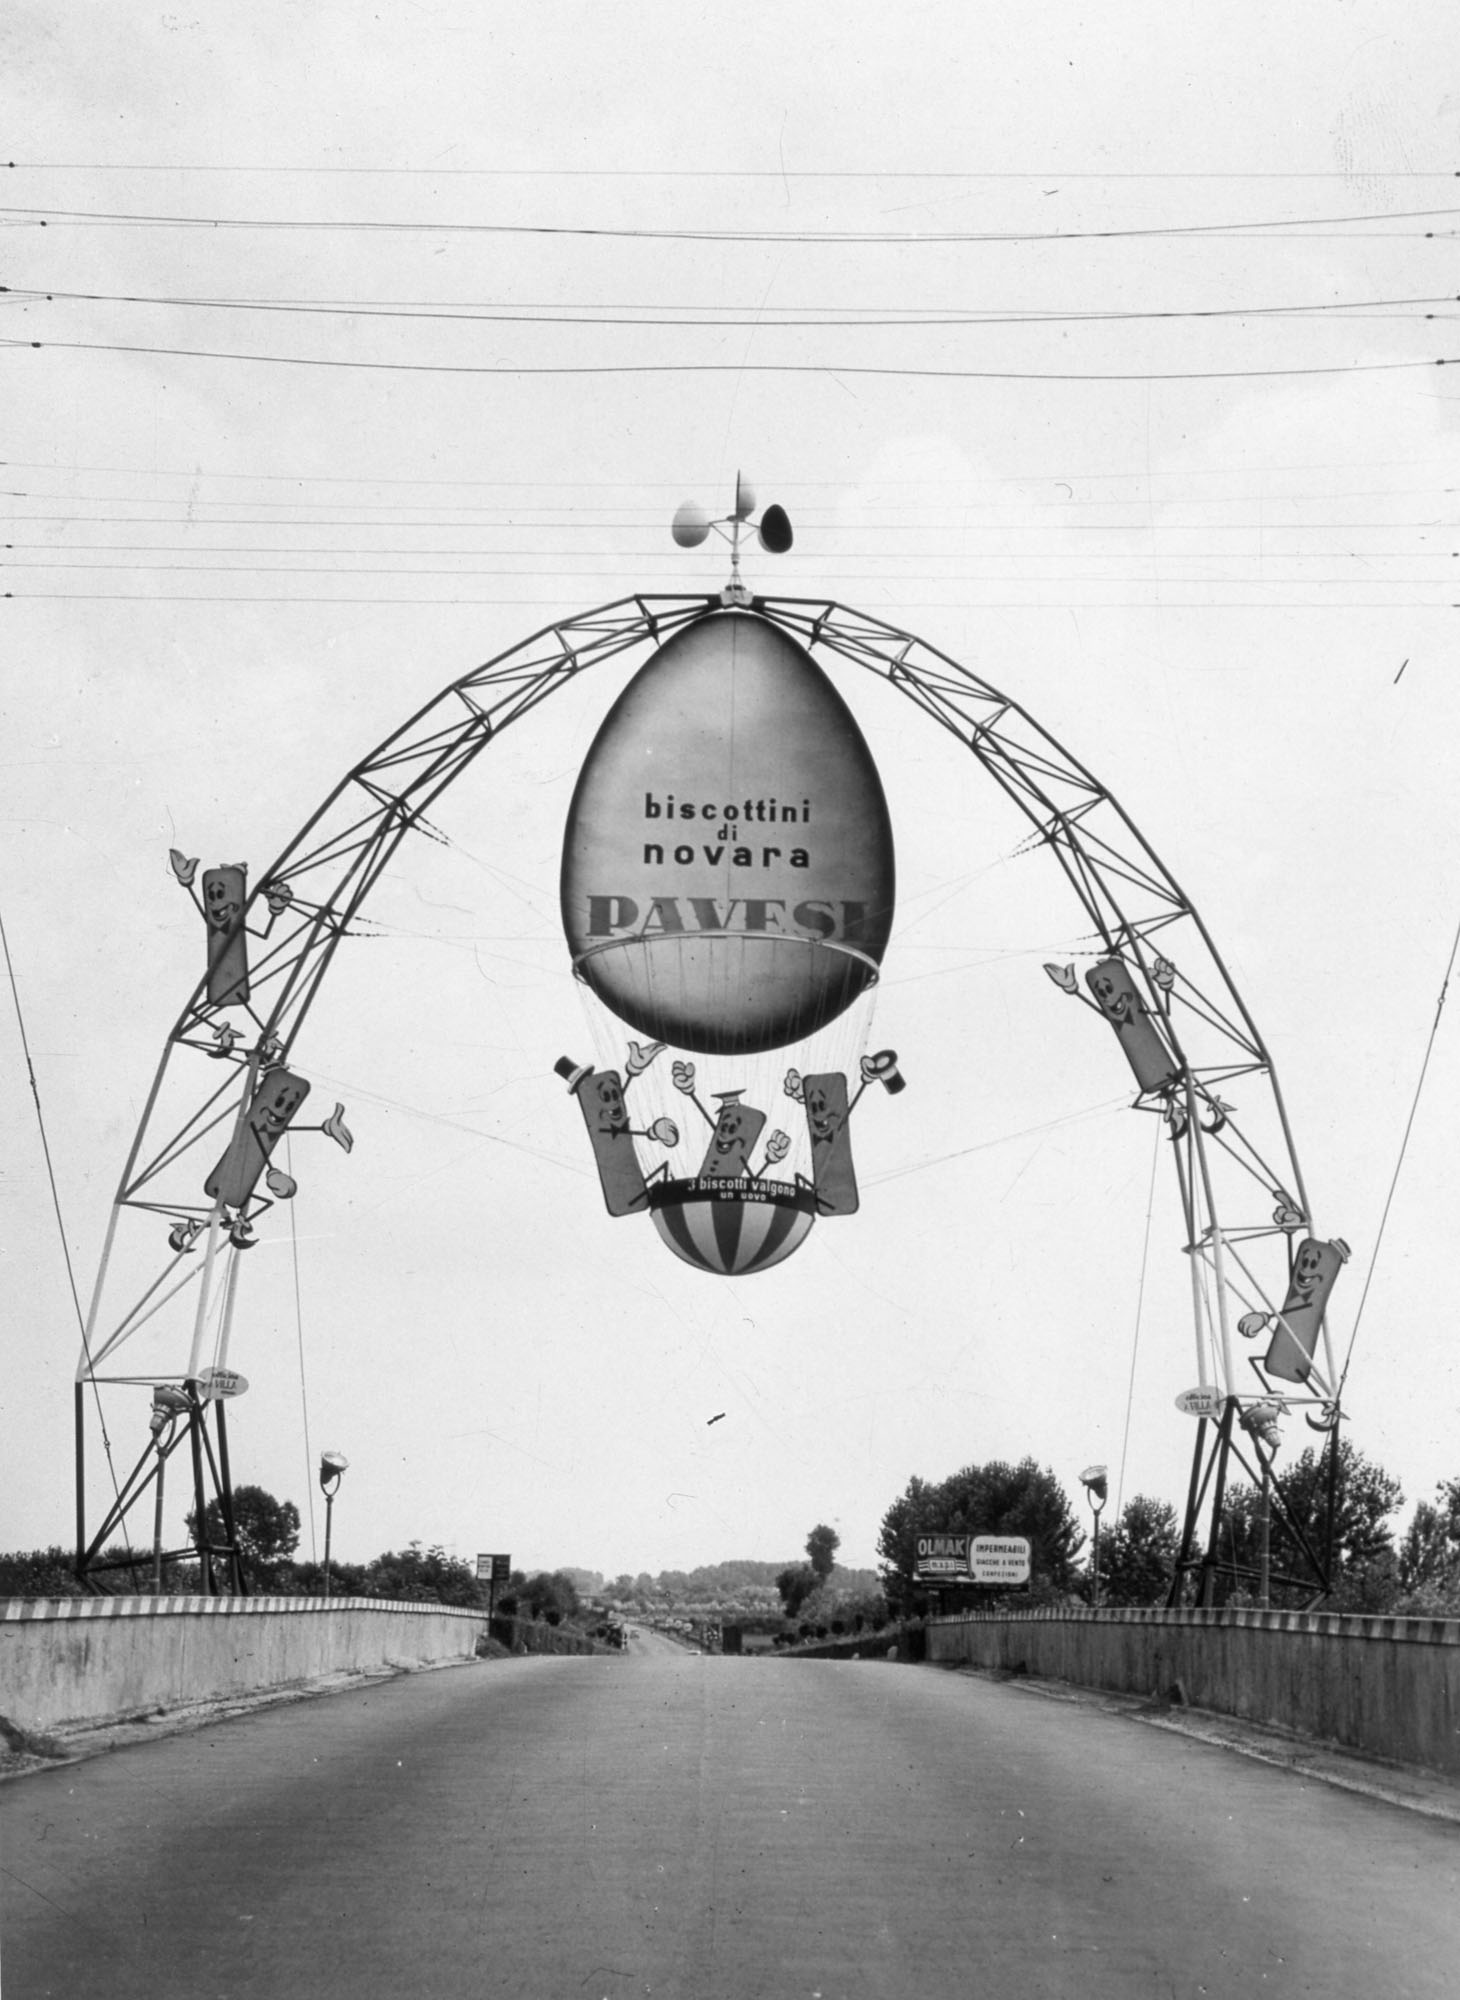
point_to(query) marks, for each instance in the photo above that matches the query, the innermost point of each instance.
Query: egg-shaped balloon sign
(728, 875)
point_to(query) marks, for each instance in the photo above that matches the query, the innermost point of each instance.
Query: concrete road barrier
(1389, 1687)
(78, 1660)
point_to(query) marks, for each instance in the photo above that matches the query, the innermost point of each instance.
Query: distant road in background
(644, 1643)
(665, 1824)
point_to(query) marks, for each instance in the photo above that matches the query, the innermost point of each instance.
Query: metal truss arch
(1242, 1191)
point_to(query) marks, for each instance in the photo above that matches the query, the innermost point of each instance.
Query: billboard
(942, 1558)
(1000, 1559)
(986, 1559)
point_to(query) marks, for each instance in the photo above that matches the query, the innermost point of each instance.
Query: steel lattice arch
(171, 1257)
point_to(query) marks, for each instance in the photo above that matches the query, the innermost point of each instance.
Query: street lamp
(332, 1467)
(167, 1406)
(1096, 1490)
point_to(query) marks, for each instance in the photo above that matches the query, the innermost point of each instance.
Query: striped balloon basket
(732, 1227)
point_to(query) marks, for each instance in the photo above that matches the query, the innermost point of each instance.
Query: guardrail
(1389, 1687)
(89, 1660)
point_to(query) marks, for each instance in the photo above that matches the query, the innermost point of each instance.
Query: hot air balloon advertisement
(727, 896)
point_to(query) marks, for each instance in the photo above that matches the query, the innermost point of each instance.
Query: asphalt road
(717, 1829)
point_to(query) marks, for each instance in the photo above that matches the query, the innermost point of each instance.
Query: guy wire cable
(299, 1337)
(1399, 1163)
(1136, 1332)
(60, 1223)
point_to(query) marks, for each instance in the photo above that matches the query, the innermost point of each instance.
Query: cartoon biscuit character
(737, 1128)
(828, 1122)
(225, 891)
(276, 1099)
(1295, 1337)
(1118, 998)
(600, 1095)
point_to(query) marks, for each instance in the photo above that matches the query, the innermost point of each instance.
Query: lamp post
(1096, 1489)
(332, 1467)
(167, 1406)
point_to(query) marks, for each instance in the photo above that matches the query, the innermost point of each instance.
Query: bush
(546, 1593)
(429, 1575)
(306, 1579)
(38, 1573)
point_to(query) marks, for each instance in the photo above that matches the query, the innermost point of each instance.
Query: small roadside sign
(493, 1568)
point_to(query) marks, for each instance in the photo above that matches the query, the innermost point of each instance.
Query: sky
(1096, 349)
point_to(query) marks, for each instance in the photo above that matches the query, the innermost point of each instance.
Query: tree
(429, 1575)
(1364, 1564)
(856, 1609)
(796, 1583)
(821, 1547)
(1138, 1555)
(553, 1596)
(267, 1530)
(1429, 1554)
(994, 1499)
(587, 1582)
(916, 1511)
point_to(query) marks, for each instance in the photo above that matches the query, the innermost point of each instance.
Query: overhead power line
(554, 558)
(738, 368)
(767, 319)
(569, 521)
(1043, 603)
(571, 567)
(191, 474)
(736, 173)
(84, 218)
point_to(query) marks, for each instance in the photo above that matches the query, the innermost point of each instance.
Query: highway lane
(720, 1829)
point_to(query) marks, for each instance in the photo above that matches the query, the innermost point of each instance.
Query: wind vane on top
(691, 524)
